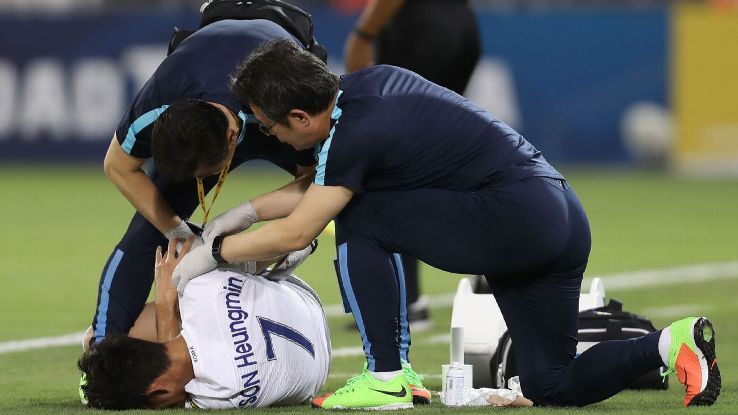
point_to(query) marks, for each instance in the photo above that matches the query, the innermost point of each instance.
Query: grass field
(60, 224)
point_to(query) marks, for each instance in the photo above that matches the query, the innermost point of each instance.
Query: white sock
(385, 376)
(665, 345)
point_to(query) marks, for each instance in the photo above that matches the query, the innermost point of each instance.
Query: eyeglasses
(267, 130)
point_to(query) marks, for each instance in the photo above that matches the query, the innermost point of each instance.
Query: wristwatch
(217, 244)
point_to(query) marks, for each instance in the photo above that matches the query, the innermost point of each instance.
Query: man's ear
(158, 387)
(300, 117)
(232, 137)
(153, 394)
(161, 394)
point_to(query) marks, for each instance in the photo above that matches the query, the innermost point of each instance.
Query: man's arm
(317, 207)
(295, 232)
(126, 173)
(283, 201)
(273, 205)
(359, 48)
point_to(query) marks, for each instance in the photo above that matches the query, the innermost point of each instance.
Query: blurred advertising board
(565, 78)
(705, 85)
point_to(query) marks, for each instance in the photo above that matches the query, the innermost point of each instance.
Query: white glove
(195, 263)
(181, 231)
(230, 222)
(284, 269)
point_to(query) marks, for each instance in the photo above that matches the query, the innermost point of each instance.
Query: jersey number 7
(270, 327)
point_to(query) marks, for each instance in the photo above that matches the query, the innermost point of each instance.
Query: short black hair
(279, 76)
(189, 133)
(119, 369)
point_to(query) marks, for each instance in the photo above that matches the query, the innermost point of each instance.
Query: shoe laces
(351, 384)
(412, 377)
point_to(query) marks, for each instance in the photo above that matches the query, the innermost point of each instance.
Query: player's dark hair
(119, 369)
(188, 134)
(280, 76)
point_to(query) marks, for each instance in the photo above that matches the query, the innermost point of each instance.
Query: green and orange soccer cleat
(421, 395)
(368, 393)
(692, 357)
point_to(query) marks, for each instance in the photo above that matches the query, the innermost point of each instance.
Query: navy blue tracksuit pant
(129, 272)
(530, 239)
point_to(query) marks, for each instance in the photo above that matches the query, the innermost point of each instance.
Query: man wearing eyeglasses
(189, 121)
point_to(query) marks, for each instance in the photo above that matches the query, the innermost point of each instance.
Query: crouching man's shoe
(421, 395)
(692, 357)
(367, 392)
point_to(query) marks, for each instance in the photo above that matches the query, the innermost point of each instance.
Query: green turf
(59, 225)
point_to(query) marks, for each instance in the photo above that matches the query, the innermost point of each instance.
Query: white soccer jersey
(253, 342)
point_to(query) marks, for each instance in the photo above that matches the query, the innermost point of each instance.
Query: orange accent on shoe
(714, 362)
(420, 395)
(689, 373)
(318, 401)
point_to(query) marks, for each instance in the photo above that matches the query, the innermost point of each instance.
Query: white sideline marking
(436, 301)
(620, 281)
(677, 310)
(41, 343)
(667, 276)
(358, 351)
(347, 352)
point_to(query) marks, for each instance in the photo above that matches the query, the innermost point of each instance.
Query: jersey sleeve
(202, 402)
(345, 157)
(134, 129)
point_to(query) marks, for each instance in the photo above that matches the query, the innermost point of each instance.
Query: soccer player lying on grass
(242, 340)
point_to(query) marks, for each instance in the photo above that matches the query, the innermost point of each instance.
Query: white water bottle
(454, 381)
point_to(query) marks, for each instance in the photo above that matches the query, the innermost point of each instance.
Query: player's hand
(198, 261)
(164, 266)
(230, 222)
(358, 53)
(284, 269)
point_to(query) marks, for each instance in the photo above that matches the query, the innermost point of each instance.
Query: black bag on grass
(596, 325)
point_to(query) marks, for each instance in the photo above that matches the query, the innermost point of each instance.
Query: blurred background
(635, 101)
(616, 82)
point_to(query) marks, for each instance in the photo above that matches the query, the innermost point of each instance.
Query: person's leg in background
(440, 41)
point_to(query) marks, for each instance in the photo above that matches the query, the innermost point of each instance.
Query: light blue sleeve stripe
(244, 120)
(248, 118)
(138, 125)
(351, 297)
(404, 322)
(102, 308)
(323, 155)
